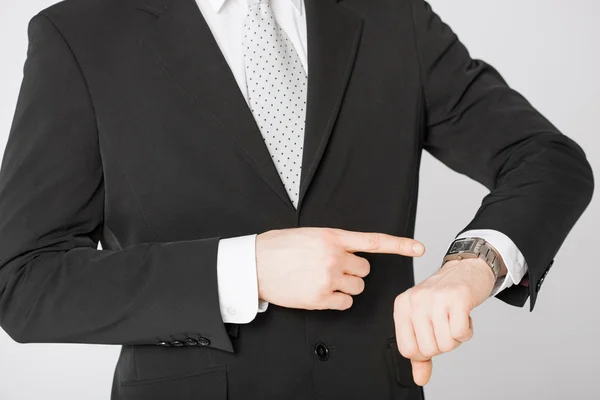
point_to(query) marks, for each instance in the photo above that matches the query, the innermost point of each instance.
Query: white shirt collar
(298, 5)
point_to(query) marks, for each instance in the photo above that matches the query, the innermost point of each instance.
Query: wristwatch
(474, 247)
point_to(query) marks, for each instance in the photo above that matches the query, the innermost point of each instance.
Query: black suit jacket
(130, 130)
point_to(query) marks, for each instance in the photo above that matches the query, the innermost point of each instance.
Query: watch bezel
(460, 242)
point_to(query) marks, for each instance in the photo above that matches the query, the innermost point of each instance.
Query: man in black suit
(156, 127)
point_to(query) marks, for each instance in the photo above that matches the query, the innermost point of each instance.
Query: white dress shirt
(236, 259)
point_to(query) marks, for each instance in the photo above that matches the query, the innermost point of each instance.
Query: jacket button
(321, 351)
(539, 285)
(165, 344)
(177, 343)
(202, 341)
(190, 342)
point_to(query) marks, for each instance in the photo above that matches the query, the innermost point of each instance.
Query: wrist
(476, 271)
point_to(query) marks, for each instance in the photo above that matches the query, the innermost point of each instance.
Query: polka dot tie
(276, 83)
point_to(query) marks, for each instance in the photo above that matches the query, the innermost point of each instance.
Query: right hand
(314, 268)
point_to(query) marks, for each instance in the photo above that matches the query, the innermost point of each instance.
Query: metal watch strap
(491, 256)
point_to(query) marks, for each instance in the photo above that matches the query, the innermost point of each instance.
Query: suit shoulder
(381, 9)
(68, 7)
(90, 12)
(91, 21)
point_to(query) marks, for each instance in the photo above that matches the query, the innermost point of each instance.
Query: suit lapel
(182, 40)
(185, 45)
(333, 37)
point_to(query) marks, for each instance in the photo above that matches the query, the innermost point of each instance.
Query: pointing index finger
(373, 242)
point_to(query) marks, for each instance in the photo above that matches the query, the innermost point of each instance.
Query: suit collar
(218, 4)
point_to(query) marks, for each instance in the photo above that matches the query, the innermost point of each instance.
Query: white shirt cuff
(237, 280)
(512, 257)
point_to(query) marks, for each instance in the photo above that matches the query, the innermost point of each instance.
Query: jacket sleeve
(539, 179)
(55, 285)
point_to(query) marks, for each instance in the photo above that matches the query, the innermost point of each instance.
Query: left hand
(433, 317)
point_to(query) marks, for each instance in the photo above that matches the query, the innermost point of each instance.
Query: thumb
(421, 371)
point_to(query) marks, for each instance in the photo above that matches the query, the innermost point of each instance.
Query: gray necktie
(277, 86)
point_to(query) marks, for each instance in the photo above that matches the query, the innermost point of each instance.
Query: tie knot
(252, 3)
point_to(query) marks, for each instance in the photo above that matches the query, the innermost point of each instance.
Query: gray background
(547, 50)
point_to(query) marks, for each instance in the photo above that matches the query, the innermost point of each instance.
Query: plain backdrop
(549, 51)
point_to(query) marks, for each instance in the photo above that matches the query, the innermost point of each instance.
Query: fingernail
(418, 248)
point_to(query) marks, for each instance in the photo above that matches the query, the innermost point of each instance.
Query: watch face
(461, 246)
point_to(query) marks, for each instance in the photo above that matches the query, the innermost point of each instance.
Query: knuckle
(400, 303)
(429, 351)
(360, 286)
(374, 240)
(318, 299)
(367, 267)
(419, 299)
(462, 333)
(347, 302)
(322, 305)
(441, 296)
(330, 261)
(319, 304)
(468, 334)
(328, 235)
(402, 246)
(323, 239)
(447, 349)
(322, 286)
(446, 346)
(315, 302)
(408, 351)
(327, 282)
